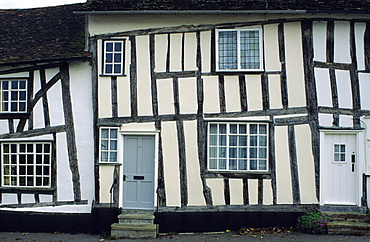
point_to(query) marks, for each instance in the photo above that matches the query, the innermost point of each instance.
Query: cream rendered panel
(294, 65)
(232, 94)
(160, 52)
(254, 92)
(123, 96)
(104, 97)
(325, 119)
(138, 127)
(275, 91)
(236, 191)
(323, 87)
(345, 120)
(360, 49)
(344, 89)
(364, 90)
(55, 102)
(253, 191)
(99, 47)
(64, 182)
(175, 52)
(144, 90)
(9, 198)
(267, 192)
(171, 163)
(306, 169)
(283, 174)
(319, 40)
(188, 95)
(195, 187)
(342, 42)
(217, 189)
(271, 47)
(27, 198)
(205, 48)
(38, 110)
(165, 96)
(190, 52)
(106, 181)
(211, 94)
(46, 198)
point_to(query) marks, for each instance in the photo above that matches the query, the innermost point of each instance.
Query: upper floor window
(26, 164)
(239, 50)
(108, 144)
(13, 95)
(114, 57)
(237, 146)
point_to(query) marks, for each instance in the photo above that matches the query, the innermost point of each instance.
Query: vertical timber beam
(311, 97)
(294, 165)
(367, 46)
(283, 79)
(30, 96)
(45, 102)
(113, 83)
(330, 59)
(245, 191)
(265, 91)
(355, 85)
(243, 94)
(272, 160)
(227, 191)
(54, 173)
(221, 93)
(133, 77)
(70, 131)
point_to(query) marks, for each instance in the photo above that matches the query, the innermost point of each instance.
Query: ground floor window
(108, 144)
(26, 164)
(238, 146)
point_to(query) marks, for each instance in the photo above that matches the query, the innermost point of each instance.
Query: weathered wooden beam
(327, 65)
(133, 77)
(113, 84)
(54, 168)
(243, 94)
(44, 90)
(177, 74)
(283, 78)
(291, 121)
(330, 42)
(260, 191)
(355, 83)
(45, 102)
(168, 56)
(272, 161)
(46, 204)
(367, 46)
(221, 93)
(182, 162)
(161, 190)
(245, 191)
(31, 79)
(294, 165)
(153, 76)
(227, 191)
(34, 132)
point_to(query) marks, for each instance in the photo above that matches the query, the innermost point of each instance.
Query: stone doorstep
(136, 211)
(344, 227)
(346, 216)
(135, 227)
(139, 216)
(134, 230)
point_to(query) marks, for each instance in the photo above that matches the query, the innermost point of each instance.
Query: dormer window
(239, 50)
(114, 57)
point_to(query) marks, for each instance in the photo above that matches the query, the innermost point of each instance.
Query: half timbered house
(213, 114)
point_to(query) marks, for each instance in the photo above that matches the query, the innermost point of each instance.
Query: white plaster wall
(294, 65)
(271, 47)
(175, 52)
(165, 96)
(64, 175)
(28, 198)
(38, 110)
(253, 191)
(138, 127)
(232, 94)
(217, 190)
(306, 169)
(360, 50)
(267, 192)
(106, 181)
(326, 119)
(254, 92)
(283, 174)
(344, 89)
(342, 42)
(46, 198)
(345, 121)
(364, 79)
(190, 52)
(211, 94)
(123, 96)
(195, 187)
(236, 191)
(104, 97)
(275, 91)
(171, 163)
(55, 105)
(205, 47)
(324, 95)
(160, 52)
(144, 93)
(188, 95)
(319, 40)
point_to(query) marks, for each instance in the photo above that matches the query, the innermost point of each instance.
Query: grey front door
(138, 172)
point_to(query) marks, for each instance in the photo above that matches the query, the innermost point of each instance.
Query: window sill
(239, 174)
(27, 190)
(108, 164)
(232, 72)
(107, 75)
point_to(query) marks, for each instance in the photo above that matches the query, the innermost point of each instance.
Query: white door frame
(360, 159)
(121, 145)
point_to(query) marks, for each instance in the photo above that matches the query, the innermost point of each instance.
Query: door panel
(138, 172)
(340, 169)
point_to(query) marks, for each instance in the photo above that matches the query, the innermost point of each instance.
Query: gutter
(134, 12)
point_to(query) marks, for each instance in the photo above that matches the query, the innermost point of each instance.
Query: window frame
(19, 164)
(228, 134)
(104, 55)
(238, 30)
(109, 151)
(18, 100)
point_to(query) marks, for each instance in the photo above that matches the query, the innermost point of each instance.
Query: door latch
(124, 177)
(353, 161)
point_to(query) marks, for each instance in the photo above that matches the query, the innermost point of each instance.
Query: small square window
(108, 144)
(113, 59)
(13, 96)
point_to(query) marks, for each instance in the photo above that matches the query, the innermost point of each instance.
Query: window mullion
(238, 49)
(227, 146)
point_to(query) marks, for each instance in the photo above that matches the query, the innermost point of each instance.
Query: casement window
(237, 146)
(13, 95)
(108, 144)
(26, 164)
(113, 59)
(239, 50)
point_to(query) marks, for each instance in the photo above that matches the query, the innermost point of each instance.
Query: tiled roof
(37, 34)
(313, 5)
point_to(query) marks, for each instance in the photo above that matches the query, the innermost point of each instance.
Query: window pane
(243, 152)
(233, 140)
(212, 164)
(262, 153)
(336, 148)
(117, 57)
(253, 165)
(117, 68)
(227, 50)
(109, 46)
(213, 152)
(253, 141)
(222, 152)
(109, 58)
(104, 133)
(336, 157)
(222, 129)
(104, 156)
(262, 165)
(104, 145)
(233, 129)
(22, 84)
(262, 141)
(343, 148)
(242, 129)
(252, 152)
(113, 145)
(222, 140)
(243, 165)
(108, 68)
(113, 156)
(222, 164)
(233, 164)
(14, 84)
(233, 153)
(118, 46)
(213, 140)
(249, 50)
(243, 140)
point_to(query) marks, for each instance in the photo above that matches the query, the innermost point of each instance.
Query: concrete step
(349, 228)
(138, 211)
(347, 216)
(134, 231)
(136, 218)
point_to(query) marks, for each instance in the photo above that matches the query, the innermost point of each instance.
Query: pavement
(191, 237)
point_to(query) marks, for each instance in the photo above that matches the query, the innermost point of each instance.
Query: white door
(138, 172)
(340, 169)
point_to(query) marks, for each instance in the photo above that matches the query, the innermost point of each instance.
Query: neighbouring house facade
(193, 108)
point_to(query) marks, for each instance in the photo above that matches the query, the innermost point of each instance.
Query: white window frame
(35, 167)
(340, 153)
(259, 30)
(248, 146)
(121, 60)
(10, 97)
(108, 143)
